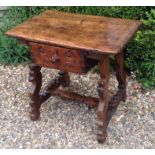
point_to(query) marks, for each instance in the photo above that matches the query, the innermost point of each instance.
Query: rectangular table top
(87, 32)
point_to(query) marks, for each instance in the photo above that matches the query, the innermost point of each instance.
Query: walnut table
(75, 43)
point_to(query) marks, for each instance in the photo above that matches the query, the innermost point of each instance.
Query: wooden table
(76, 43)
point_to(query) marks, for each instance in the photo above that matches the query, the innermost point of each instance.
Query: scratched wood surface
(91, 33)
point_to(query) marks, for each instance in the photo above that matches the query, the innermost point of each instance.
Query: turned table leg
(35, 77)
(120, 75)
(103, 98)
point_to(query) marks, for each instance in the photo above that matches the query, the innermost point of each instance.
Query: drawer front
(58, 58)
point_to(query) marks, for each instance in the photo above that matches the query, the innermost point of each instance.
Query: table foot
(34, 115)
(101, 138)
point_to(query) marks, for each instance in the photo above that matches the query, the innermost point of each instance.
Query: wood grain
(86, 32)
(61, 58)
(103, 93)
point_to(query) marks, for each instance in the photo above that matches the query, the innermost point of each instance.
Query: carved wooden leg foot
(66, 79)
(103, 99)
(34, 115)
(101, 138)
(36, 78)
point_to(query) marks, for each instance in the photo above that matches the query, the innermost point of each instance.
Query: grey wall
(3, 10)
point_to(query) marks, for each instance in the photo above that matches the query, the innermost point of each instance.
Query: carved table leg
(35, 77)
(103, 98)
(121, 75)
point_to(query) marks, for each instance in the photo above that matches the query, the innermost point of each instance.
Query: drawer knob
(69, 53)
(55, 59)
(41, 50)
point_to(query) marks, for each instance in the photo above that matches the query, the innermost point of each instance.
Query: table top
(86, 32)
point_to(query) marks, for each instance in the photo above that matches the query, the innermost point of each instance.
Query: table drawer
(59, 58)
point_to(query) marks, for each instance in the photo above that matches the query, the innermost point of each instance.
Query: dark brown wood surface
(91, 33)
(60, 58)
(103, 93)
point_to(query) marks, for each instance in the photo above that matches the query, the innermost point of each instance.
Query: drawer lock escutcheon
(55, 59)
